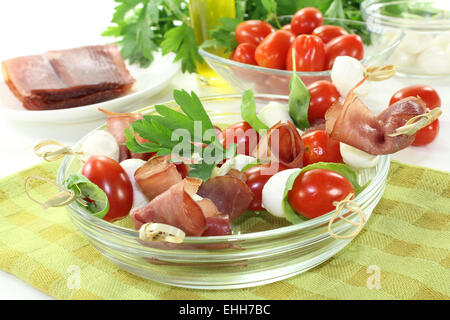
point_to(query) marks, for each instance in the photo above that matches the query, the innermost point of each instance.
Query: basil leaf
(248, 111)
(89, 195)
(298, 99)
(289, 212)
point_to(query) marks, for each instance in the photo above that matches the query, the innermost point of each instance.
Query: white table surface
(35, 26)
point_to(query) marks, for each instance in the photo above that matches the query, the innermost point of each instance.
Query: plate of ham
(68, 86)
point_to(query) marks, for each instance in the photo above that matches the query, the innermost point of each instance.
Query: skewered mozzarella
(357, 158)
(273, 113)
(100, 143)
(130, 166)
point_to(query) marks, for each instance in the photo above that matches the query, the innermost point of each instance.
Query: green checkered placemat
(402, 253)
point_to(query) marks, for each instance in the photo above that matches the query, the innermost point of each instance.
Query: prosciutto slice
(175, 207)
(283, 144)
(157, 176)
(68, 78)
(353, 123)
(230, 195)
(116, 123)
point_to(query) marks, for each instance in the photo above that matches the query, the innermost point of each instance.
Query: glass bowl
(262, 248)
(425, 49)
(273, 81)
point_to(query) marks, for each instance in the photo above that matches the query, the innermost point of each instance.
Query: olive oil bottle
(205, 14)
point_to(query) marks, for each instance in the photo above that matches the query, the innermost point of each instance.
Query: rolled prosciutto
(283, 144)
(175, 207)
(354, 124)
(230, 195)
(157, 176)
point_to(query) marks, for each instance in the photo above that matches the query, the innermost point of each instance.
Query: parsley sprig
(186, 135)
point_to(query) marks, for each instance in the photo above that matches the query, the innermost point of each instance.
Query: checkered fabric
(406, 241)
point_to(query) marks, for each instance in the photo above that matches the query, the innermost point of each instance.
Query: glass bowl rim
(369, 10)
(117, 230)
(364, 61)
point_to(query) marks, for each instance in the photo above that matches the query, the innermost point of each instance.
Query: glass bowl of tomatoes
(425, 49)
(369, 45)
(261, 249)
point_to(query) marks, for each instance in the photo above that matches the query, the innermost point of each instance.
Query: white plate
(149, 82)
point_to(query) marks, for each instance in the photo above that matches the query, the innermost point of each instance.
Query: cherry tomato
(432, 100)
(306, 20)
(245, 53)
(319, 147)
(348, 45)
(252, 31)
(323, 94)
(109, 175)
(242, 134)
(329, 32)
(287, 27)
(272, 51)
(309, 54)
(314, 192)
(427, 134)
(257, 177)
(426, 93)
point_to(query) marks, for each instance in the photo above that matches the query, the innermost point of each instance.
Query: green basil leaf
(248, 111)
(89, 195)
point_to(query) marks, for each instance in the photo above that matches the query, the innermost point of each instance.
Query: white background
(28, 27)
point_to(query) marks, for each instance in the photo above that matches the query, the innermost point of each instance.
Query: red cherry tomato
(314, 192)
(432, 100)
(245, 53)
(253, 31)
(348, 45)
(323, 94)
(109, 175)
(257, 177)
(427, 134)
(309, 54)
(242, 134)
(306, 20)
(272, 51)
(319, 147)
(426, 93)
(329, 32)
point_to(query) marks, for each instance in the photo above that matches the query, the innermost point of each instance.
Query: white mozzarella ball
(434, 60)
(357, 158)
(100, 143)
(442, 41)
(273, 192)
(130, 166)
(273, 113)
(238, 162)
(415, 43)
(401, 58)
(346, 73)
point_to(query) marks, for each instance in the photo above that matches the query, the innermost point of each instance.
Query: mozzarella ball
(273, 113)
(100, 143)
(402, 59)
(238, 162)
(273, 192)
(357, 158)
(415, 43)
(434, 60)
(346, 73)
(130, 166)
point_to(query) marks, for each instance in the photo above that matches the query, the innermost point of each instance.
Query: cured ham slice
(354, 124)
(283, 144)
(230, 195)
(157, 176)
(175, 207)
(217, 226)
(68, 78)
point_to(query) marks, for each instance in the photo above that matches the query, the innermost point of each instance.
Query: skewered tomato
(329, 32)
(109, 175)
(319, 147)
(245, 53)
(323, 94)
(309, 54)
(349, 45)
(257, 177)
(432, 100)
(306, 20)
(314, 192)
(241, 134)
(252, 31)
(272, 51)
